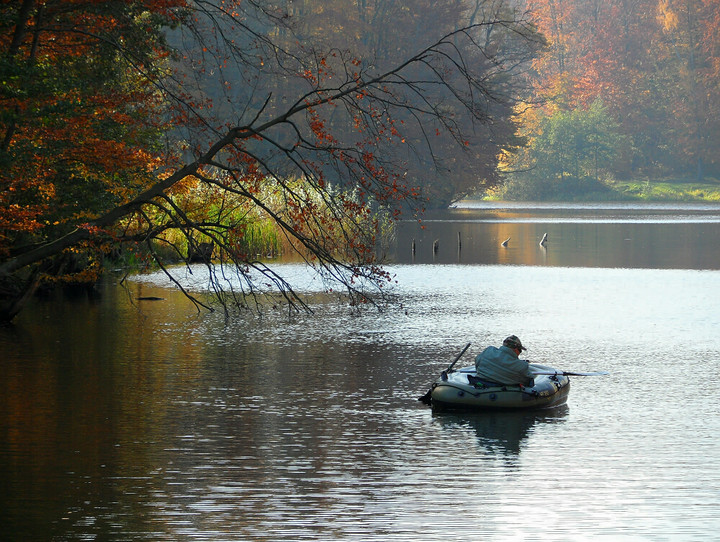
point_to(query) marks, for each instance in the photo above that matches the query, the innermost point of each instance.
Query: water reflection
(502, 433)
(593, 212)
(128, 420)
(649, 237)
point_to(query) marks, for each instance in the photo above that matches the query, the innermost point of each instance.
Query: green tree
(579, 143)
(572, 151)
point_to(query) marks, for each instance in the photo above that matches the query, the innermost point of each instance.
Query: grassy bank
(667, 190)
(613, 190)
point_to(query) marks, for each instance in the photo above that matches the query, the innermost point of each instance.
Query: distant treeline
(629, 90)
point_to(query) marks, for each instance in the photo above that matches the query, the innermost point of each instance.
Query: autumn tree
(217, 99)
(690, 49)
(72, 150)
(654, 65)
(79, 130)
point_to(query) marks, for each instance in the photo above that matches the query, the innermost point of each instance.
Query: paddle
(449, 369)
(568, 373)
(426, 398)
(556, 373)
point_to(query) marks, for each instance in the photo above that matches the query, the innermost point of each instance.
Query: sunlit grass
(671, 190)
(614, 190)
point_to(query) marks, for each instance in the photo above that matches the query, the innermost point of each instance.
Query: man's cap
(513, 342)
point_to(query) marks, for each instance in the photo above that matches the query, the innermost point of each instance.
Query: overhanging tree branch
(311, 100)
(328, 134)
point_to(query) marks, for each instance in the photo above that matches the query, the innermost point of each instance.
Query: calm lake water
(144, 420)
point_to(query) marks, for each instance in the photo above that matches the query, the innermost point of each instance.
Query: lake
(146, 420)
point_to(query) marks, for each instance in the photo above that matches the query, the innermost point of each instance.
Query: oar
(568, 373)
(555, 373)
(449, 369)
(426, 398)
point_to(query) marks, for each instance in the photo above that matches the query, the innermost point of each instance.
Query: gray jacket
(502, 365)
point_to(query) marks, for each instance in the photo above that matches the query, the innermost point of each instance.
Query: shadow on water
(502, 432)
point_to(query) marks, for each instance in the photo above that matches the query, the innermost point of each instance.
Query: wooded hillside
(630, 88)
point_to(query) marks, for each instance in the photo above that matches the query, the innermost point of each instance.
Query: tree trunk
(14, 296)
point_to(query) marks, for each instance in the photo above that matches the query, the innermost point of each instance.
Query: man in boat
(502, 365)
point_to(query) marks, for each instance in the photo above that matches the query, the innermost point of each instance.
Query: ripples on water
(145, 421)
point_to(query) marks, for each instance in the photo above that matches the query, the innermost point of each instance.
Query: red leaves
(73, 121)
(318, 128)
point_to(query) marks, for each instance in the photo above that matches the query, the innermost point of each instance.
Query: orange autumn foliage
(654, 63)
(77, 125)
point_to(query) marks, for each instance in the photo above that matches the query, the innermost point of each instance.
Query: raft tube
(454, 391)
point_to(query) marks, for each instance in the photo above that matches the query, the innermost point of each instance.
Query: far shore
(641, 190)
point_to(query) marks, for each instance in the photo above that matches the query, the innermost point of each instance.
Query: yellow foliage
(667, 18)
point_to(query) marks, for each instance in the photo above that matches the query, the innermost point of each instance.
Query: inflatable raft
(460, 389)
